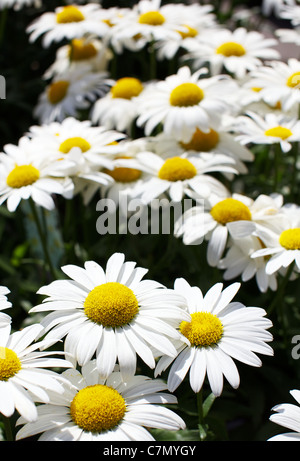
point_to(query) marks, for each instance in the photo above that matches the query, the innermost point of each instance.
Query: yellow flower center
(231, 49)
(68, 144)
(189, 33)
(202, 142)
(69, 14)
(124, 174)
(79, 50)
(229, 210)
(290, 239)
(279, 132)
(177, 169)
(10, 363)
(152, 18)
(293, 80)
(22, 175)
(186, 94)
(97, 408)
(204, 329)
(57, 91)
(111, 305)
(127, 88)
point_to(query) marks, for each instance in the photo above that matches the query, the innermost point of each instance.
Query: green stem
(152, 56)
(277, 157)
(7, 428)
(42, 237)
(200, 407)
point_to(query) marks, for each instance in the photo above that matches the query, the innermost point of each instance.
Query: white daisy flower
(23, 377)
(182, 176)
(18, 4)
(67, 22)
(282, 244)
(183, 102)
(111, 313)
(24, 175)
(69, 93)
(289, 35)
(291, 12)
(118, 109)
(278, 82)
(269, 129)
(147, 19)
(86, 53)
(219, 331)
(236, 216)
(238, 263)
(97, 409)
(214, 142)
(287, 415)
(238, 51)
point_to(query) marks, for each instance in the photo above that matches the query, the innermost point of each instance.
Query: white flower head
(238, 51)
(97, 409)
(220, 331)
(182, 176)
(67, 22)
(236, 216)
(268, 129)
(183, 102)
(112, 313)
(69, 93)
(24, 377)
(5, 320)
(24, 174)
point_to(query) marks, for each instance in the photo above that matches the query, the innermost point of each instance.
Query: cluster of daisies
(110, 320)
(230, 91)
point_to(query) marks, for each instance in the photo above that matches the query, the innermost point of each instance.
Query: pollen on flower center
(127, 88)
(69, 14)
(79, 50)
(57, 91)
(111, 304)
(124, 174)
(186, 94)
(231, 49)
(279, 132)
(10, 363)
(202, 142)
(69, 143)
(177, 169)
(97, 408)
(152, 18)
(22, 175)
(294, 80)
(290, 239)
(204, 329)
(229, 210)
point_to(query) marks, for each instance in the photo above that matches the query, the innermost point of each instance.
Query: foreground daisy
(96, 409)
(270, 129)
(183, 102)
(238, 51)
(287, 415)
(24, 175)
(219, 331)
(23, 377)
(112, 313)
